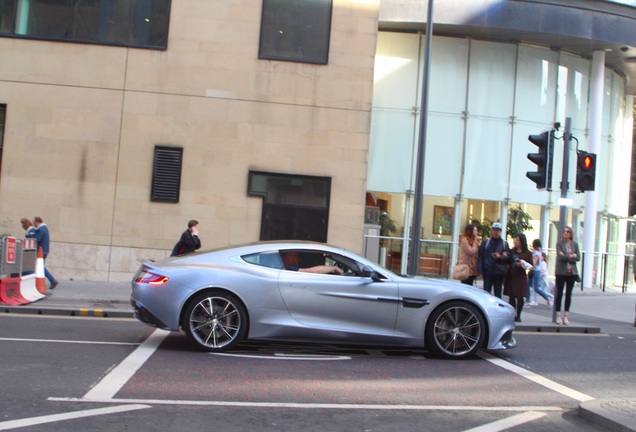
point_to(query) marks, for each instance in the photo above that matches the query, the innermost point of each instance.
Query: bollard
(40, 282)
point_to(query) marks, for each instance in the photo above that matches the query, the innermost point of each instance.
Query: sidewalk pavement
(593, 311)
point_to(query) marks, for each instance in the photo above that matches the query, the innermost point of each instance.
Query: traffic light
(585, 171)
(543, 159)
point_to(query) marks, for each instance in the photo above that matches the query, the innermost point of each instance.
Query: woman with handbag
(566, 273)
(468, 252)
(517, 285)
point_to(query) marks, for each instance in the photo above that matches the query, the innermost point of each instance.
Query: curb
(615, 415)
(553, 328)
(65, 311)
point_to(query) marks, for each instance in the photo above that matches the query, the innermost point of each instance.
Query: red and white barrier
(29, 289)
(19, 290)
(29, 244)
(10, 292)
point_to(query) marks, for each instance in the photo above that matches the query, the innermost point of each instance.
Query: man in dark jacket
(493, 251)
(43, 238)
(189, 241)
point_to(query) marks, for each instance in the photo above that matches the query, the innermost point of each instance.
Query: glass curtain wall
(485, 98)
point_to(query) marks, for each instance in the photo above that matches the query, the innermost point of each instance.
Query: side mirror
(368, 272)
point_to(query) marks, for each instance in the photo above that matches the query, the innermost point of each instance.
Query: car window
(265, 259)
(307, 259)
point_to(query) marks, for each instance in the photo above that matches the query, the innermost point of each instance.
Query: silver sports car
(314, 292)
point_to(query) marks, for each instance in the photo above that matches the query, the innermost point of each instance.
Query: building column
(544, 233)
(591, 197)
(457, 233)
(504, 217)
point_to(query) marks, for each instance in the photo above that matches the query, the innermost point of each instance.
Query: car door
(349, 303)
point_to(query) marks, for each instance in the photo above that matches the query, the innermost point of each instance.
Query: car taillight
(151, 278)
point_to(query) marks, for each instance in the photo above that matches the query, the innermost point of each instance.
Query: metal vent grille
(166, 174)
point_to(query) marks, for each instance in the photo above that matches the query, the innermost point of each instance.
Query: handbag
(501, 269)
(461, 272)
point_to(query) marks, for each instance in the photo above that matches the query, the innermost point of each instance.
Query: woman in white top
(541, 278)
(536, 273)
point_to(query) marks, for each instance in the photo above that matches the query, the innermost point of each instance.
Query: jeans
(568, 281)
(532, 292)
(47, 274)
(540, 287)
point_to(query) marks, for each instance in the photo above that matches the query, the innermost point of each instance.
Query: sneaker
(550, 303)
(54, 284)
(534, 304)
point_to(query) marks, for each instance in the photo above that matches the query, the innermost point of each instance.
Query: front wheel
(455, 330)
(215, 321)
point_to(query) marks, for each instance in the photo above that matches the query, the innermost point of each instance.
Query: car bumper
(506, 341)
(146, 317)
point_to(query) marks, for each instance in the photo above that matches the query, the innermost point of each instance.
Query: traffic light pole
(567, 136)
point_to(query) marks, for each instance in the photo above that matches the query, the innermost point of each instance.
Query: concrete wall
(82, 122)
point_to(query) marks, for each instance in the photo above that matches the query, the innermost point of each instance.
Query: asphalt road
(63, 373)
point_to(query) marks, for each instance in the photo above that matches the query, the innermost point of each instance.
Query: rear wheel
(215, 321)
(455, 330)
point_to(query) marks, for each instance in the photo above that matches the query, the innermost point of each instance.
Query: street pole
(567, 135)
(414, 246)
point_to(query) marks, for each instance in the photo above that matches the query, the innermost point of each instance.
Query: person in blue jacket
(43, 237)
(494, 255)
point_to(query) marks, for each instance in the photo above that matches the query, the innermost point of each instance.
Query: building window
(295, 207)
(296, 30)
(166, 174)
(132, 23)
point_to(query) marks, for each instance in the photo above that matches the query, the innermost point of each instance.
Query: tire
(215, 321)
(455, 330)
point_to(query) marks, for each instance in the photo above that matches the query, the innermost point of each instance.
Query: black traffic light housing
(543, 159)
(585, 171)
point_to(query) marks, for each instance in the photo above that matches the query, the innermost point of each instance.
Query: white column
(504, 218)
(544, 234)
(591, 197)
(458, 231)
(407, 231)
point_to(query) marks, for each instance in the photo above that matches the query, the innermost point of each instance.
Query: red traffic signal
(585, 171)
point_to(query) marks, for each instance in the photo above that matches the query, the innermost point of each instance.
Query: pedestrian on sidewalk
(542, 285)
(28, 227)
(534, 274)
(516, 286)
(566, 273)
(469, 251)
(494, 254)
(189, 241)
(43, 238)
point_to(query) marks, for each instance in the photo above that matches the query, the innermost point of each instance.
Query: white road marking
(545, 382)
(510, 422)
(68, 341)
(119, 376)
(34, 421)
(314, 405)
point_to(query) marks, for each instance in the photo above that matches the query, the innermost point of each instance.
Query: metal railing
(435, 257)
(434, 260)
